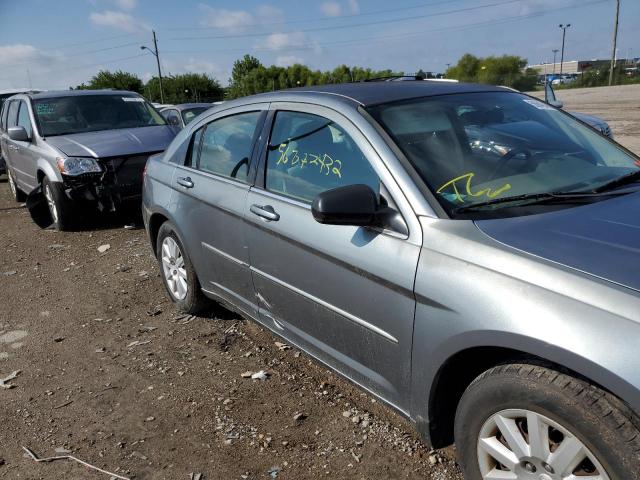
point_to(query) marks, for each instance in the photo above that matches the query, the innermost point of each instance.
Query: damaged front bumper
(119, 183)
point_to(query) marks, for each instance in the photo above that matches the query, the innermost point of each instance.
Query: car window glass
(13, 113)
(23, 118)
(476, 147)
(226, 145)
(309, 154)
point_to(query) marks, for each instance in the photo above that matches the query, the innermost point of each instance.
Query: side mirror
(550, 96)
(351, 205)
(19, 134)
(175, 121)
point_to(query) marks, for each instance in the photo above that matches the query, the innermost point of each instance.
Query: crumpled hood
(114, 143)
(602, 239)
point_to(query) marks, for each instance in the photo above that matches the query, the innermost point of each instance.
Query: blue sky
(58, 43)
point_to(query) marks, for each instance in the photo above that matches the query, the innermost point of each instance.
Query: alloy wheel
(525, 445)
(52, 204)
(174, 269)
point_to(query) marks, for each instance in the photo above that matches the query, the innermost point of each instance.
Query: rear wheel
(524, 421)
(178, 275)
(17, 194)
(60, 207)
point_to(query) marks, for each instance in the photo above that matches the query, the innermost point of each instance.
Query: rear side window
(309, 154)
(226, 145)
(13, 113)
(23, 118)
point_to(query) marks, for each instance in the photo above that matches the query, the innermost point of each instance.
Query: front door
(343, 293)
(212, 188)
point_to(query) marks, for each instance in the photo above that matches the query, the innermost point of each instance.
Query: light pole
(615, 41)
(154, 52)
(564, 34)
(555, 52)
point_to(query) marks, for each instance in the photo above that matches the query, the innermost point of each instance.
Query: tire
(497, 410)
(177, 272)
(17, 194)
(60, 206)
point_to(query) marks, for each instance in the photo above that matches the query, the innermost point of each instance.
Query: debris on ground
(273, 472)
(4, 382)
(261, 375)
(70, 457)
(282, 346)
(104, 248)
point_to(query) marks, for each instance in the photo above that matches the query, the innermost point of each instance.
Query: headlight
(74, 166)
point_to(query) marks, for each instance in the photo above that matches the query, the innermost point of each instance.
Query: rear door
(343, 293)
(212, 189)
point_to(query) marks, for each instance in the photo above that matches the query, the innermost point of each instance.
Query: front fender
(48, 170)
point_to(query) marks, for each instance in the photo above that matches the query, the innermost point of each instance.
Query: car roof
(78, 93)
(377, 92)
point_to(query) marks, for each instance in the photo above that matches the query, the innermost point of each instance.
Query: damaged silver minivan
(79, 147)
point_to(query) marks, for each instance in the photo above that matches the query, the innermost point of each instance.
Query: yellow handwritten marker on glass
(469, 176)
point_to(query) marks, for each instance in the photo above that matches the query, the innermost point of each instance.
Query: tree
(185, 88)
(118, 80)
(507, 70)
(239, 83)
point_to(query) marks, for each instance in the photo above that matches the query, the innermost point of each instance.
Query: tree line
(249, 76)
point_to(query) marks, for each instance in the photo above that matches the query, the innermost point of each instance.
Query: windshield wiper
(623, 180)
(533, 198)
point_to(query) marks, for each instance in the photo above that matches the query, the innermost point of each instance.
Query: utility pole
(555, 52)
(564, 34)
(615, 41)
(155, 53)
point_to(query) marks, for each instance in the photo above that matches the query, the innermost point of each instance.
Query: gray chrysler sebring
(468, 254)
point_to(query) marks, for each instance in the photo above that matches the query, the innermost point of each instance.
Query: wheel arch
(462, 366)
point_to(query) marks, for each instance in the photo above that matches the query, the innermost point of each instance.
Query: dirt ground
(619, 106)
(110, 372)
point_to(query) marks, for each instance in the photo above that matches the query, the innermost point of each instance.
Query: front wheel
(60, 207)
(523, 421)
(178, 275)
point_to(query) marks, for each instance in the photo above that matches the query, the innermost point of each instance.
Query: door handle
(265, 211)
(186, 182)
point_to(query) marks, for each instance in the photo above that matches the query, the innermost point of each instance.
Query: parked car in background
(466, 253)
(596, 122)
(182, 114)
(80, 147)
(4, 94)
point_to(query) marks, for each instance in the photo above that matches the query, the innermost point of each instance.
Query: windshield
(476, 147)
(190, 114)
(90, 113)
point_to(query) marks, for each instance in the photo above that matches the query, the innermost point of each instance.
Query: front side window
(226, 145)
(483, 147)
(23, 118)
(309, 154)
(12, 118)
(91, 113)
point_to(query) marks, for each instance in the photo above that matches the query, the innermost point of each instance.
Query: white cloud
(127, 4)
(331, 9)
(288, 60)
(232, 20)
(119, 20)
(281, 41)
(20, 53)
(238, 20)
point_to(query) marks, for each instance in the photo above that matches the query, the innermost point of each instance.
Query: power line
(89, 42)
(355, 25)
(381, 38)
(325, 19)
